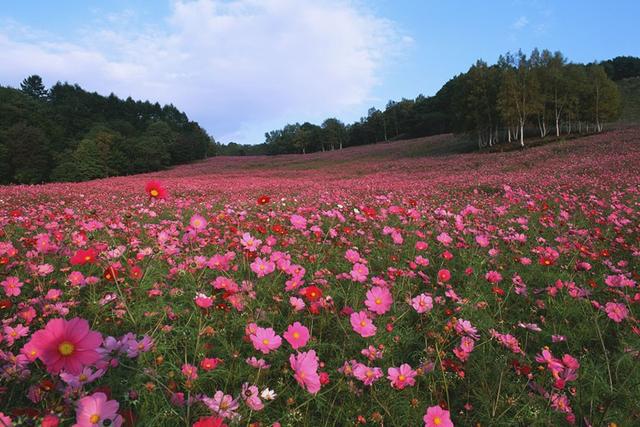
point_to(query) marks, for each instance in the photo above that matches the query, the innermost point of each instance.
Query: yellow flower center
(66, 348)
(296, 335)
(154, 193)
(437, 421)
(402, 378)
(265, 341)
(378, 301)
(363, 323)
(93, 419)
(369, 374)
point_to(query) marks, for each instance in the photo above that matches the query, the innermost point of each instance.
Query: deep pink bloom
(297, 335)
(361, 323)
(444, 275)
(67, 345)
(11, 286)
(94, 410)
(616, 311)
(493, 277)
(305, 368)
(402, 376)
(379, 300)
(203, 301)
(298, 222)
(437, 417)
(189, 371)
(265, 339)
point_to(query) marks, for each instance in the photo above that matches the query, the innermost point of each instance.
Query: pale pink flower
(359, 272)
(422, 303)
(11, 286)
(265, 340)
(616, 311)
(367, 374)
(305, 368)
(298, 222)
(437, 417)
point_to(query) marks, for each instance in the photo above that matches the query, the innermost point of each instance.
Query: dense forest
(68, 134)
(518, 97)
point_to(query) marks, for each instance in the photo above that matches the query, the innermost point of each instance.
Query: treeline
(68, 134)
(518, 97)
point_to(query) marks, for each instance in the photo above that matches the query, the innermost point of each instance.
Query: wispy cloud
(520, 23)
(231, 65)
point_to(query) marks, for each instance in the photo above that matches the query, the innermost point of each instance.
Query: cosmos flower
(401, 377)
(437, 417)
(305, 368)
(155, 190)
(265, 340)
(297, 335)
(66, 345)
(378, 300)
(361, 324)
(95, 410)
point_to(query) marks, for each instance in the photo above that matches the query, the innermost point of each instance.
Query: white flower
(268, 394)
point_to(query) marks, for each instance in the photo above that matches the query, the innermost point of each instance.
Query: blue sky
(243, 67)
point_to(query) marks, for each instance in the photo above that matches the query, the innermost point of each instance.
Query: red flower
(82, 257)
(311, 293)
(263, 200)
(110, 274)
(210, 422)
(155, 190)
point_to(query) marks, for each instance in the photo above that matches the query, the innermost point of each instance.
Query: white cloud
(231, 65)
(520, 23)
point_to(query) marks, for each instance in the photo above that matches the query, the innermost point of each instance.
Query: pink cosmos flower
(297, 335)
(250, 243)
(210, 363)
(437, 417)
(359, 272)
(189, 371)
(94, 410)
(352, 256)
(203, 301)
(297, 303)
(11, 286)
(444, 238)
(361, 324)
(422, 303)
(367, 374)
(222, 404)
(298, 222)
(14, 333)
(251, 396)
(265, 340)
(67, 345)
(401, 377)
(198, 222)
(305, 368)
(262, 267)
(464, 327)
(379, 300)
(5, 421)
(616, 311)
(493, 277)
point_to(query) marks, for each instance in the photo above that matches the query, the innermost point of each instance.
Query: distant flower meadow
(354, 288)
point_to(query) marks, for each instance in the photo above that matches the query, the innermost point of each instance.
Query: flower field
(371, 286)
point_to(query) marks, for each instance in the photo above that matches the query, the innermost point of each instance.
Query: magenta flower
(297, 335)
(616, 311)
(361, 324)
(95, 410)
(379, 300)
(437, 417)
(67, 345)
(11, 286)
(262, 267)
(401, 377)
(265, 340)
(189, 371)
(305, 368)
(298, 222)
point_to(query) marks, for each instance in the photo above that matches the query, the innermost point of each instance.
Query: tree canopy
(68, 134)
